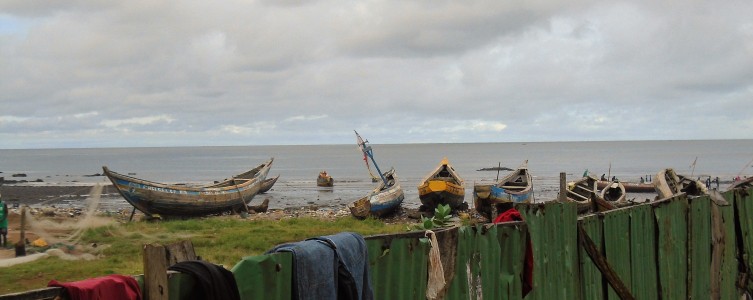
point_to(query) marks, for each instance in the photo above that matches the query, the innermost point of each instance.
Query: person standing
(3, 223)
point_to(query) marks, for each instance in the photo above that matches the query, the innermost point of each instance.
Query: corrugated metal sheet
(398, 266)
(489, 262)
(644, 283)
(266, 276)
(744, 209)
(591, 283)
(672, 225)
(555, 249)
(617, 246)
(699, 248)
(729, 271)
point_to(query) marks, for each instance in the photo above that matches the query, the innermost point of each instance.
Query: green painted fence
(676, 248)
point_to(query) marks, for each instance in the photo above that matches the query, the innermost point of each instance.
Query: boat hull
(436, 192)
(154, 198)
(383, 200)
(630, 187)
(325, 181)
(515, 187)
(267, 184)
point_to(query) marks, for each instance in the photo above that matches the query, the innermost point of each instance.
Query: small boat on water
(515, 187)
(267, 184)
(615, 192)
(668, 183)
(386, 197)
(442, 186)
(630, 187)
(325, 180)
(583, 192)
(160, 199)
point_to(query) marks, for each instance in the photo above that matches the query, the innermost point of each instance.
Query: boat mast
(367, 151)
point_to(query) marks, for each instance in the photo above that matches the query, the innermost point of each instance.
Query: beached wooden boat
(746, 183)
(267, 184)
(384, 199)
(615, 192)
(515, 187)
(668, 183)
(583, 192)
(442, 186)
(324, 179)
(630, 187)
(154, 198)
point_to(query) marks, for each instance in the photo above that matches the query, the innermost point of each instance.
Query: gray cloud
(156, 73)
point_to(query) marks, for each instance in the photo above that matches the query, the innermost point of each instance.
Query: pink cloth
(112, 287)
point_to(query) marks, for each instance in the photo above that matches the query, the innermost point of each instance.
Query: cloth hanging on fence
(514, 215)
(114, 287)
(212, 281)
(330, 267)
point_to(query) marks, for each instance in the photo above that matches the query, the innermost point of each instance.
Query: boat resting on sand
(267, 184)
(583, 192)
(515, 187)
(615, 193)
(384, 199)
(160, 199)
(442, 186)
(325, 180)
(668, 183)
(630, 187)
(741, 184)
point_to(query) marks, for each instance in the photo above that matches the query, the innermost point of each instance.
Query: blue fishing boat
(515, 187)
(385, 198)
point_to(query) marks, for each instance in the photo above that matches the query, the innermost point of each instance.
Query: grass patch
(220, 240)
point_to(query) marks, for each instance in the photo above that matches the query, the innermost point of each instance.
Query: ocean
(298, 166)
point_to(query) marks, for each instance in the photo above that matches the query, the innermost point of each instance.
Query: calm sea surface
(300, 165)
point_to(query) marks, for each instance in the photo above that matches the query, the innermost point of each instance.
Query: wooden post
(155, 272)
(21, 245)
(563, 187)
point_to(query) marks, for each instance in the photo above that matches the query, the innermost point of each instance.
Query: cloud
(196, 73)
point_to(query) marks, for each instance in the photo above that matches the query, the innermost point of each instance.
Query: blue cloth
(330, 267)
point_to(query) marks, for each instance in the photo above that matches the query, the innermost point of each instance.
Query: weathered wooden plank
(155, 272)
(612, 278)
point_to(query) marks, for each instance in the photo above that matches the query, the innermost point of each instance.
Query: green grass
(219, 240)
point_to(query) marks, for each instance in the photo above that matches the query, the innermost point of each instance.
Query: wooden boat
(615, 192)
(442, 186)
(324, 179)
(583, 192)
(746, 183)
(515, 187)
(160, 199)
(630, 187)
(668, 183)
(267, 184)
(384, 199)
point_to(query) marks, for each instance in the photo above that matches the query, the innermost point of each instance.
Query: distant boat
(384, 199)
(267, 184)
(442, 186)
(515, 187)
(324, 179)
(153, 198)
(668, 183)
(583, 192)
(742, 184)
(615, 192)
(630, 187)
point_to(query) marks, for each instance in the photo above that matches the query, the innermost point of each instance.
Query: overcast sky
(198, 73)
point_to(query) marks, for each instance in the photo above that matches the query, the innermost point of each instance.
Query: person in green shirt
(3, 223)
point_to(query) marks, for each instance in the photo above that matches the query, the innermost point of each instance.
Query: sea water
(298, 166)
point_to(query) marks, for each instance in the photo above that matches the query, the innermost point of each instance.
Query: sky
(149, 73)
